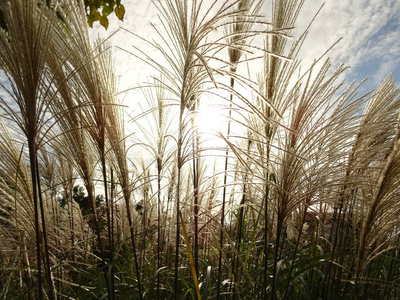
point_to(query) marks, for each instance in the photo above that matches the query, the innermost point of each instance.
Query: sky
(370, 32)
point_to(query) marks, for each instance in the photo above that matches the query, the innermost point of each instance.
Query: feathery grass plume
(66, 235)
(23, 58)
(310, 186)
(193, 46)
(48, 165)
(94, 74)
(17, 228)
(108, 134)
(283, 17)
(275, 81)
(188, 55)
(208, 224)
(367, 146)
(157, 133)
(67, 109)
(94, 101)
(84, 87)
(65, 174)
(377, 175)
(238, 32)
(74, 154)
(284, 148)
(331, 133)
(118, 159)
(303, 167)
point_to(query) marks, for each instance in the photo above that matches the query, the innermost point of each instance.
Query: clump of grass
(301, 201)
(23, 58)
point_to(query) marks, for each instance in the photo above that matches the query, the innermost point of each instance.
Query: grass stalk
(192, 262)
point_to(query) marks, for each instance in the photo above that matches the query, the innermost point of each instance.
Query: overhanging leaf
(120, 12)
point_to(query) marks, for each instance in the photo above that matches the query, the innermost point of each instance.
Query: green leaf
(120, 11)
(96, 3)
(107, 9)
(96, 16)
(90, 20)
(99, 10)
(104, 21)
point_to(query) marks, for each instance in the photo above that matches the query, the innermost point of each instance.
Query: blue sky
(370, 32)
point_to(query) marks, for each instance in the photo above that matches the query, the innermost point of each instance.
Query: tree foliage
(96, 11)
(99, 10)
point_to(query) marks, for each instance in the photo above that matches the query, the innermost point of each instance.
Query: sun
(211, 121)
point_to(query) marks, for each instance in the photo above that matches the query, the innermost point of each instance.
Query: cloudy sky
(370, 32)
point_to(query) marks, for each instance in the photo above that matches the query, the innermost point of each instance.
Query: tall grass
(23, 57)
(299, 202)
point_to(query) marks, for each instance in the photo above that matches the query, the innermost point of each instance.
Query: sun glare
(211, 120)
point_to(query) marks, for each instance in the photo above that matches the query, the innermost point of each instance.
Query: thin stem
(110, 270)
(32, 160)
(130, 223)
(196, 199)
(177, 200)
(46, 247)
(159, 169)
(221, 234)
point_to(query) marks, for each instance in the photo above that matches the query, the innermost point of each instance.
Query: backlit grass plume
(296, 199)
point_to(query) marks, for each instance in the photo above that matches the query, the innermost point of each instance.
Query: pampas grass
(299, 202)
(23, 58)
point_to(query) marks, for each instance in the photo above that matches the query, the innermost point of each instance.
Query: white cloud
(369, 32)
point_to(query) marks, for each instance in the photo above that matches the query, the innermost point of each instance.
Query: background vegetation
(300, 200)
